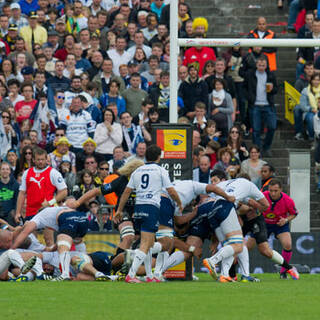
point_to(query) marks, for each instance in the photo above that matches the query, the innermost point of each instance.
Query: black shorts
(101, 261)
(256, 228)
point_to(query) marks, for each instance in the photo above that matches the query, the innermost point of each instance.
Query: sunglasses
(28, 153)
(234, 131)
(5, 117)
(104, 169)
(61, 97)
(90, 162)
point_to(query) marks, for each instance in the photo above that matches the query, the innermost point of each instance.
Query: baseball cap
(15, 6)
(27, 70)
(33, 15)
(13, 27)
(52, 33)
(60, 20)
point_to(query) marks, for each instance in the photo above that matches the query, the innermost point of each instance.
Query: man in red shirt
(38, 187)
(198, 56)
(281, 211)
(24, 108)
(68, 43)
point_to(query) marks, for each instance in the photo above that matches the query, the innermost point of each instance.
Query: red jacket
(199, 56)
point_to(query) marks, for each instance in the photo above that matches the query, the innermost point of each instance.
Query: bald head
(6, 237)
(262, 24)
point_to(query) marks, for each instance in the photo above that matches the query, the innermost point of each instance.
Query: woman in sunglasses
(26, 159)
(236, 144)
(8, 137)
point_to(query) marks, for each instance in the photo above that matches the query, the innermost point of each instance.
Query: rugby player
(118, 185)
(280, 213)
(188, 190)
(148, 180)
(9, 256)
(254, 223)
(71, 226)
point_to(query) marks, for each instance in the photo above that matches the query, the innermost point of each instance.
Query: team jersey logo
(38, 182)
(270, 215)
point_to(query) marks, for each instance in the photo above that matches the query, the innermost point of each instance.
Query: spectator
(139, 43)
(153, 116)
(309, 54)
(261, 87)
(210, 133)
(211, 151)
(192, 90)
(107, 135)
(161, 95)
(304, 79)
(307, 28)
(89, 106)
(253, 165)
(13, 162)
(134, 95)
(8, 136)
(59, 81)
(118, 155)
(16, 17)
(9, 194)
(140, 152)
(103, 79)
(200, 121)
(261, 32)
(96, 62)
(33, 33)
(153, 64)
(20, 48)
(119, 55)
(220, 107)
(24, 108)
(74, 90)
(132, 134)
(162, 34)
(202, 173)
(307, 108)
(78, 124)
(198, 56)
(227, 162)
(151, 30)
(157, 7)
(208, 69)
(67, 174)
(113, 97)
(236, 144)
(62, 153)
(88, 149)
(68, 46)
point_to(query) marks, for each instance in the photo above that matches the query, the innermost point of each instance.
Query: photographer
(99, 217)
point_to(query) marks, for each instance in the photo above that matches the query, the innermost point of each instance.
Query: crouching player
(71, 226)
(12, 257)
(148, 181)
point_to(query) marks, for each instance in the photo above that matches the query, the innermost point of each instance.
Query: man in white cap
(16, 16)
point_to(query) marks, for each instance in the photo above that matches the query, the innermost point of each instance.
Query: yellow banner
(102, 242)
(291, 98)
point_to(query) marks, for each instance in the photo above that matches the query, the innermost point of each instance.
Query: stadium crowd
(82, 83)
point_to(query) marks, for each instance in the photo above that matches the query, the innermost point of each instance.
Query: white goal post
(176, 43)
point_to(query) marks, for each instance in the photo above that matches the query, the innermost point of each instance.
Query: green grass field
(204, 299)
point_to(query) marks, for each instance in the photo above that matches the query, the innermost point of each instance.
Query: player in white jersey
(9, 256)
(188, 190)
(71, 226)
(148, 181)
(247, 193)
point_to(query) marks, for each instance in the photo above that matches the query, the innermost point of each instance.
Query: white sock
(157, 247)
(226, 265)
(4, 261)
(148, 264)
(243, 261)
(15, 258)
(277, 257)
(223, 253)
(37, 268)
(175, 259)
(137, 262)
(159, 264)
(30, 275)
(98, 274)
(65, 258)
(81, 247)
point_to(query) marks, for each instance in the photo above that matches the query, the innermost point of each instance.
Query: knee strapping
(126, 231)
(163, 233)
(81, 261)
(233, 240)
